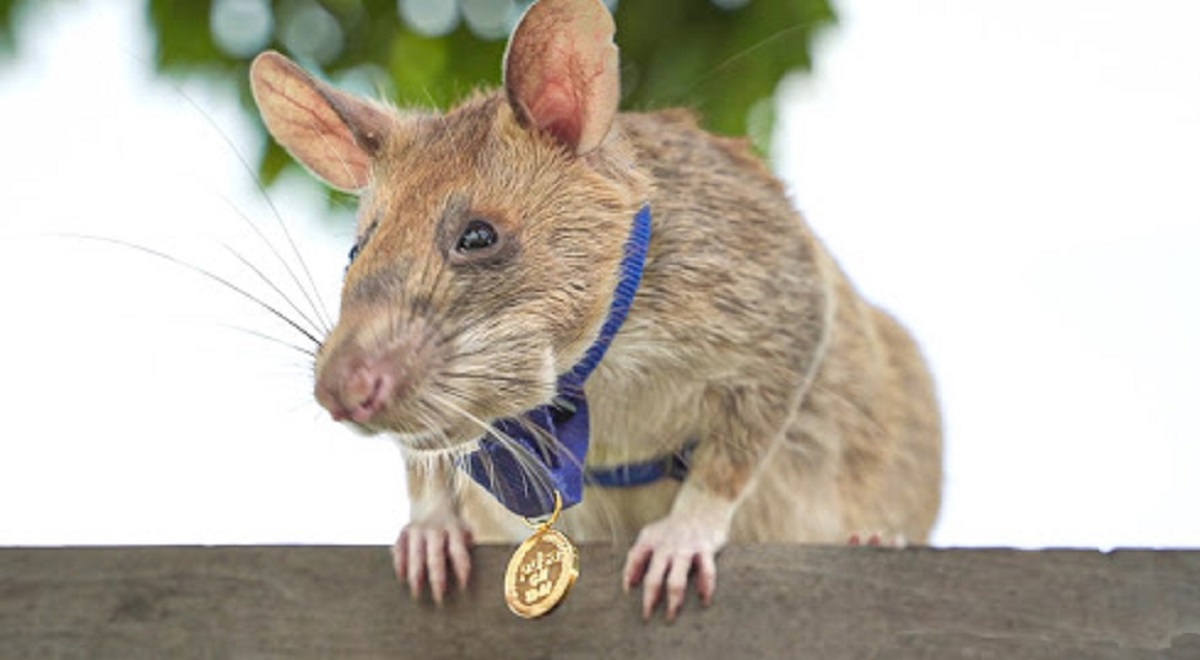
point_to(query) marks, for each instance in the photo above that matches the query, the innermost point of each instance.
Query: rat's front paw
(424, 549)
(879, 540)
(665, 554)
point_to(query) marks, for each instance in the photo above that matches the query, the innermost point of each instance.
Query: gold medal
(542, 569)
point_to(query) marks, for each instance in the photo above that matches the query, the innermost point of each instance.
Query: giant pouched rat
(490, 242)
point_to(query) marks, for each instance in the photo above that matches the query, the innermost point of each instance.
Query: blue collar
(552, 440)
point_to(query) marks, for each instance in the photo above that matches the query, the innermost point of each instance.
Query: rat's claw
(663, 558)
(635, 566)
(422, 551)
(653, 584)
(677, 579)
(413, 548)
(459, 549)
(435, 546)
(706, 577)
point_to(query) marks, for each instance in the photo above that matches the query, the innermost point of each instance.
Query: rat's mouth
(431, 447)
(460, 440)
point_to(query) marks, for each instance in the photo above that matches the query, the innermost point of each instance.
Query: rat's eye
(477, 236)
(354, 252)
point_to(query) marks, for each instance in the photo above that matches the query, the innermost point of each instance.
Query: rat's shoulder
(673, 144)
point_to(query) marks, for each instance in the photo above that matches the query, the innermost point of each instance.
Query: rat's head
(489, 237)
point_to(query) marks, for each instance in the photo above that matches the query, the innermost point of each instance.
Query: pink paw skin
(665, 555)
(878, 540)
(428, 551)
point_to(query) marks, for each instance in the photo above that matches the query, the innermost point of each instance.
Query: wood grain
(772, 602)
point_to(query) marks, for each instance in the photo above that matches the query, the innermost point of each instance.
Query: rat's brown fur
(818, 409)
(814, 412)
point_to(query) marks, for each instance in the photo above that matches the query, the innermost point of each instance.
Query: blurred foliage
(724, 58)
(7, 25)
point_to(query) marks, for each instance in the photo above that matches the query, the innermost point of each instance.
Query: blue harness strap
(672, 466)
(531, 456)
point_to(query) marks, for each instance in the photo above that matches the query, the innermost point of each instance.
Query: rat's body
(489, 245)
(720, 308)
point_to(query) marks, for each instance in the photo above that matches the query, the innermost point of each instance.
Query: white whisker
(535, 478)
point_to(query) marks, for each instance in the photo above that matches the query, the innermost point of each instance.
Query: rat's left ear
(334, 134)
(560, 71)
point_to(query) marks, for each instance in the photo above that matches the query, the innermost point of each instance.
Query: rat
(489, 247)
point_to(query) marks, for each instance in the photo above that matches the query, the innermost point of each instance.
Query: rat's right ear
(334, 134)
(560, 71)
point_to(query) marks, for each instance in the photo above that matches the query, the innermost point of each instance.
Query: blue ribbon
(552, 439)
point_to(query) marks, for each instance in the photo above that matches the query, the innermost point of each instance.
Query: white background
(1017, 181)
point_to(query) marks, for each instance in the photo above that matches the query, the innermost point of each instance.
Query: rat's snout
(361, 381)
(357, 392)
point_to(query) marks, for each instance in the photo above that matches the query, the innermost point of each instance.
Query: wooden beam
(772, 601)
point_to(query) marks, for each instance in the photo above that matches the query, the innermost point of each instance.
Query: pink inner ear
(557, 110)
(560, 71)
(298, 112)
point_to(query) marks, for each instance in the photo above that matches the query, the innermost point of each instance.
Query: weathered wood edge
(772, 601)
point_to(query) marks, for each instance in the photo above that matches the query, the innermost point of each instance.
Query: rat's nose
(367, 392)
(357, 393)
(369, 368)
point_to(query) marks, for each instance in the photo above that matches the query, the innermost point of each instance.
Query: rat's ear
(332, 133)
(560, 71)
